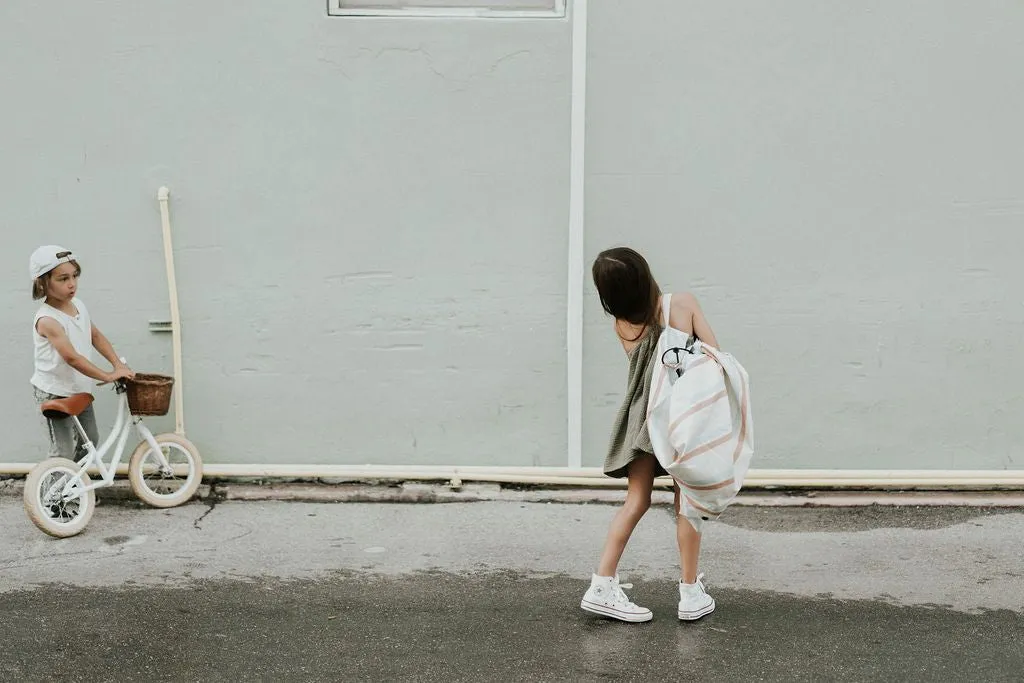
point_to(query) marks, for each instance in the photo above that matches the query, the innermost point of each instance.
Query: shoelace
(621, 595)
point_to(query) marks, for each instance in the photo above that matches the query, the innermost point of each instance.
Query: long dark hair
(627, 289)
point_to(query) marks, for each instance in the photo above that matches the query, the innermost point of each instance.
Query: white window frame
(336, 8)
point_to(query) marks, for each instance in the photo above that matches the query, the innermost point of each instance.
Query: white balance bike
(164, 471)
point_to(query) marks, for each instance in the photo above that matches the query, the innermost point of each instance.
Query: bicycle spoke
(57, 506)
(160, 481)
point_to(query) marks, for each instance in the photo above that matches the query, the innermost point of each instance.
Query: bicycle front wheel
(170, 486)
(57, 513)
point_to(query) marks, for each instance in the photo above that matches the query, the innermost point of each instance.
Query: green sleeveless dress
(629, 438)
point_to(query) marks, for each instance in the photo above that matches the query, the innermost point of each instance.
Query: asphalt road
(490, 591)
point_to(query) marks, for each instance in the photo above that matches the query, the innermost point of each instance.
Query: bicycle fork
(165, 467)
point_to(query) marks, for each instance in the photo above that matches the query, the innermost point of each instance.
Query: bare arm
(106, 349)
(51, 329)
(688, 309)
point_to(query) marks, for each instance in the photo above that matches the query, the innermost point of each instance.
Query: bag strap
(666, 309)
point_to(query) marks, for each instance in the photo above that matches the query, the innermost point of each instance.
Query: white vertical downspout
(163, 197)
(577, 179)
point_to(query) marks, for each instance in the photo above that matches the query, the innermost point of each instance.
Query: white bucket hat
(45, 259)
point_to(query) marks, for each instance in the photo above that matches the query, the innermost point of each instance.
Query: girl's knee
(637, 504)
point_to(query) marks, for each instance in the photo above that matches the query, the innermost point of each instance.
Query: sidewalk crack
(215, 496)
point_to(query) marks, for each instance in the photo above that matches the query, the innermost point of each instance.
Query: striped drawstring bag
(698, 417)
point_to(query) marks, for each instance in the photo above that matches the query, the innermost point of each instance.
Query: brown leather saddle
(72, 406)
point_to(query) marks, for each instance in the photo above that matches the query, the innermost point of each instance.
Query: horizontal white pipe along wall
(591, 477)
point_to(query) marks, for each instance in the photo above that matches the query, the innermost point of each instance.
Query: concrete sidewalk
(436, 492)
(232, 590)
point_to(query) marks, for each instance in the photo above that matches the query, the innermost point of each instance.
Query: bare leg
(638, 501)
(689, 544)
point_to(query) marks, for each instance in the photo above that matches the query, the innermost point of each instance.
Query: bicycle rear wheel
(55, 513)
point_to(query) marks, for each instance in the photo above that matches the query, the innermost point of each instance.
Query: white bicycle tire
(36, 509)
(194, 477)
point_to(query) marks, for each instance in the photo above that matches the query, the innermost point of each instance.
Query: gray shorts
(65, 441)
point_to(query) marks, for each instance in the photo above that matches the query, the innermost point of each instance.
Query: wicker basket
(149, 394)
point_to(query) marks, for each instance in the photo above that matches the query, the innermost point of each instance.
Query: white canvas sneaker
(694, 602)
(605, 597)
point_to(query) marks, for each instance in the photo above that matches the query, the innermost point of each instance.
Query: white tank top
(53, 375)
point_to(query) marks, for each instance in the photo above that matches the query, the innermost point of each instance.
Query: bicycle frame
(119, 433)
